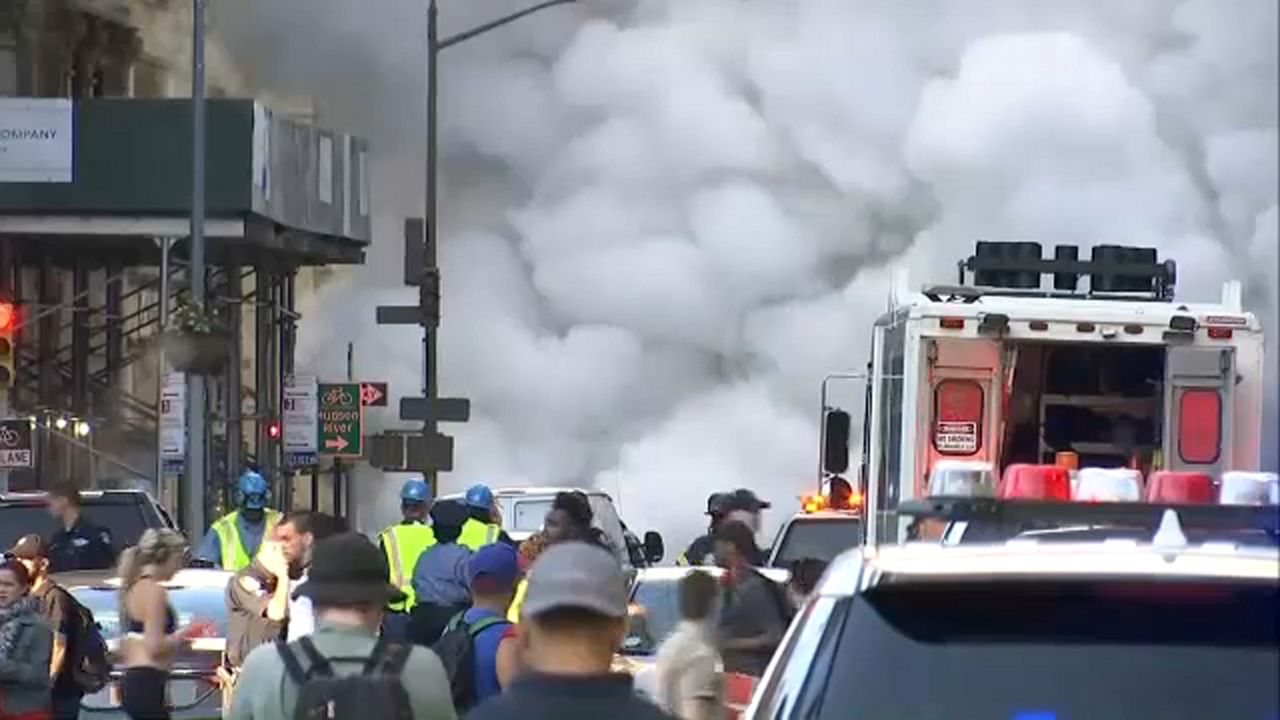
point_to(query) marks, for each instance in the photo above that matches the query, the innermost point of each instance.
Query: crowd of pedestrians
(483, 627)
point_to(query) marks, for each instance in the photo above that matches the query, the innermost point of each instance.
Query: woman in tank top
(151, 635)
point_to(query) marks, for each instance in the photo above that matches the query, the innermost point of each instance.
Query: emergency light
(1108, 485)
(962, 491)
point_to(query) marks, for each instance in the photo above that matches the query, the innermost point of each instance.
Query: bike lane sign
(340, 429)
(15, 443)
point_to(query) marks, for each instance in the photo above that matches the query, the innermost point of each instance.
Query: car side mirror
(835, 441)
(654, 548)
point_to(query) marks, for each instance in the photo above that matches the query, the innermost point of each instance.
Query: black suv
(126, 513)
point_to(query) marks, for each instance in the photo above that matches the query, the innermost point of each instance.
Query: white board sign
(299, 406)
(956, 438)
(173, 416)
(36, 140)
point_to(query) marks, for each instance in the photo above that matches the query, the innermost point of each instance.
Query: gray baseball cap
(577, 575)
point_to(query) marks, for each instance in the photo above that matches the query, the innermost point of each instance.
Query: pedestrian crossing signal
(8, 356)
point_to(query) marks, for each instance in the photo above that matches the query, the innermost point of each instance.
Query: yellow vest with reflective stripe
(235, 556)
(513, 612)
(476, 534)
(404, 544)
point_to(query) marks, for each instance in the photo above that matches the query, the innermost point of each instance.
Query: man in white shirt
(687, 673)
(302, 621)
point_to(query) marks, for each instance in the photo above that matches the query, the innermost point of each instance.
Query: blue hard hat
(415, 490)
(479, 496)
(253, 491)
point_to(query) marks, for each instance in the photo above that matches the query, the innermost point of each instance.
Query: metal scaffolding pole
(194, 497)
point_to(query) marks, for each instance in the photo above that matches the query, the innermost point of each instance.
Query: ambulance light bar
(961, 491)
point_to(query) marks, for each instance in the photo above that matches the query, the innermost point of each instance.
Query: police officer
(79, 544)
(702, 550)
(480, 528)
(743, 506)
(233, 540)
(403, 543)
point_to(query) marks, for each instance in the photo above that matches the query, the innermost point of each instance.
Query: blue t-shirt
(486, 644)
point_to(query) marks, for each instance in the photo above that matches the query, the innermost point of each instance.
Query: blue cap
(415, 490)
(253, 491)
(495, 563)
(479, 496)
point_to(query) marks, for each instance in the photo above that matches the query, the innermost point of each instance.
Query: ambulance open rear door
(1199, 392)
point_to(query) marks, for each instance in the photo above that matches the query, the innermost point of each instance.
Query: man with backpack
(477, 648)
(343, 670)
(79, 661)
(756, 610)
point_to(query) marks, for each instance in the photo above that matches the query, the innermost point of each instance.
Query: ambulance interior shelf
(1102, 402)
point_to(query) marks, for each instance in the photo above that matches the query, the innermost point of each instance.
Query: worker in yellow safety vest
(481, 527)
(403, 543)
(233, 539)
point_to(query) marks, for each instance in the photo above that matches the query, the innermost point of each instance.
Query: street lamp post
(434, 46)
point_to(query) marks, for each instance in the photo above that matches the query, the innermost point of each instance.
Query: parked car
(654, 613)
(524, 509)
(126, 513)
(198, 596)
(818, 535)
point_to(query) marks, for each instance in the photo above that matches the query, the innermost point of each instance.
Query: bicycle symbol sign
(340, 420)
(15, 443)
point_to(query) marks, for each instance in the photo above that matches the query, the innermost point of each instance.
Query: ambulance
(1086, 363)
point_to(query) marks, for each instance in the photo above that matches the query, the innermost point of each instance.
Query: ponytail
(155, 547)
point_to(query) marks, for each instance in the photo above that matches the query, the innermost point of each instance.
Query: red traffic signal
(8, 316)
(273, 430)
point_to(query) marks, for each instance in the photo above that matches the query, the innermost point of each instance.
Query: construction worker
(403, 543)
(702, 550)
(232, 541)
(480, 528)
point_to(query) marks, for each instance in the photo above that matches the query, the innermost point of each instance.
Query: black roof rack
(1264, 518)
(1114, 271)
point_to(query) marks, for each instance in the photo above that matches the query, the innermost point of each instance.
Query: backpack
(376, 692)
(457, 651)
(87, 657)
(785, 610)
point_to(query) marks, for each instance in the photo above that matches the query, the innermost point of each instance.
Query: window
(891, 379)
(1063, 649)
(957, 417)
(818, 539)
(8, 67)
(1199, 425)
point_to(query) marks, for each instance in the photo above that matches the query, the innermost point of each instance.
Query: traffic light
(8, 356)
(273, 429)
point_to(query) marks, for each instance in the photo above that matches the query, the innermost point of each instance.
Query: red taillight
(951, 323)
(1035, 482)
(1199, 425)
(1220, 333)
(1174, 486)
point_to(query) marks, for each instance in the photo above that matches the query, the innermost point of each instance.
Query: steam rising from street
(665, 220)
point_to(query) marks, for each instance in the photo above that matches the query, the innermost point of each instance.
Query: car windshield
(202, 604)
(1017, 651)
(124, 520)
(660, 611)
(817, 539)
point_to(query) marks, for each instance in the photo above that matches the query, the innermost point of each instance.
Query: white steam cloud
(665, 220)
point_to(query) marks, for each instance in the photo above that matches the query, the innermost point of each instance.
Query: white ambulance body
(1025, 375)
